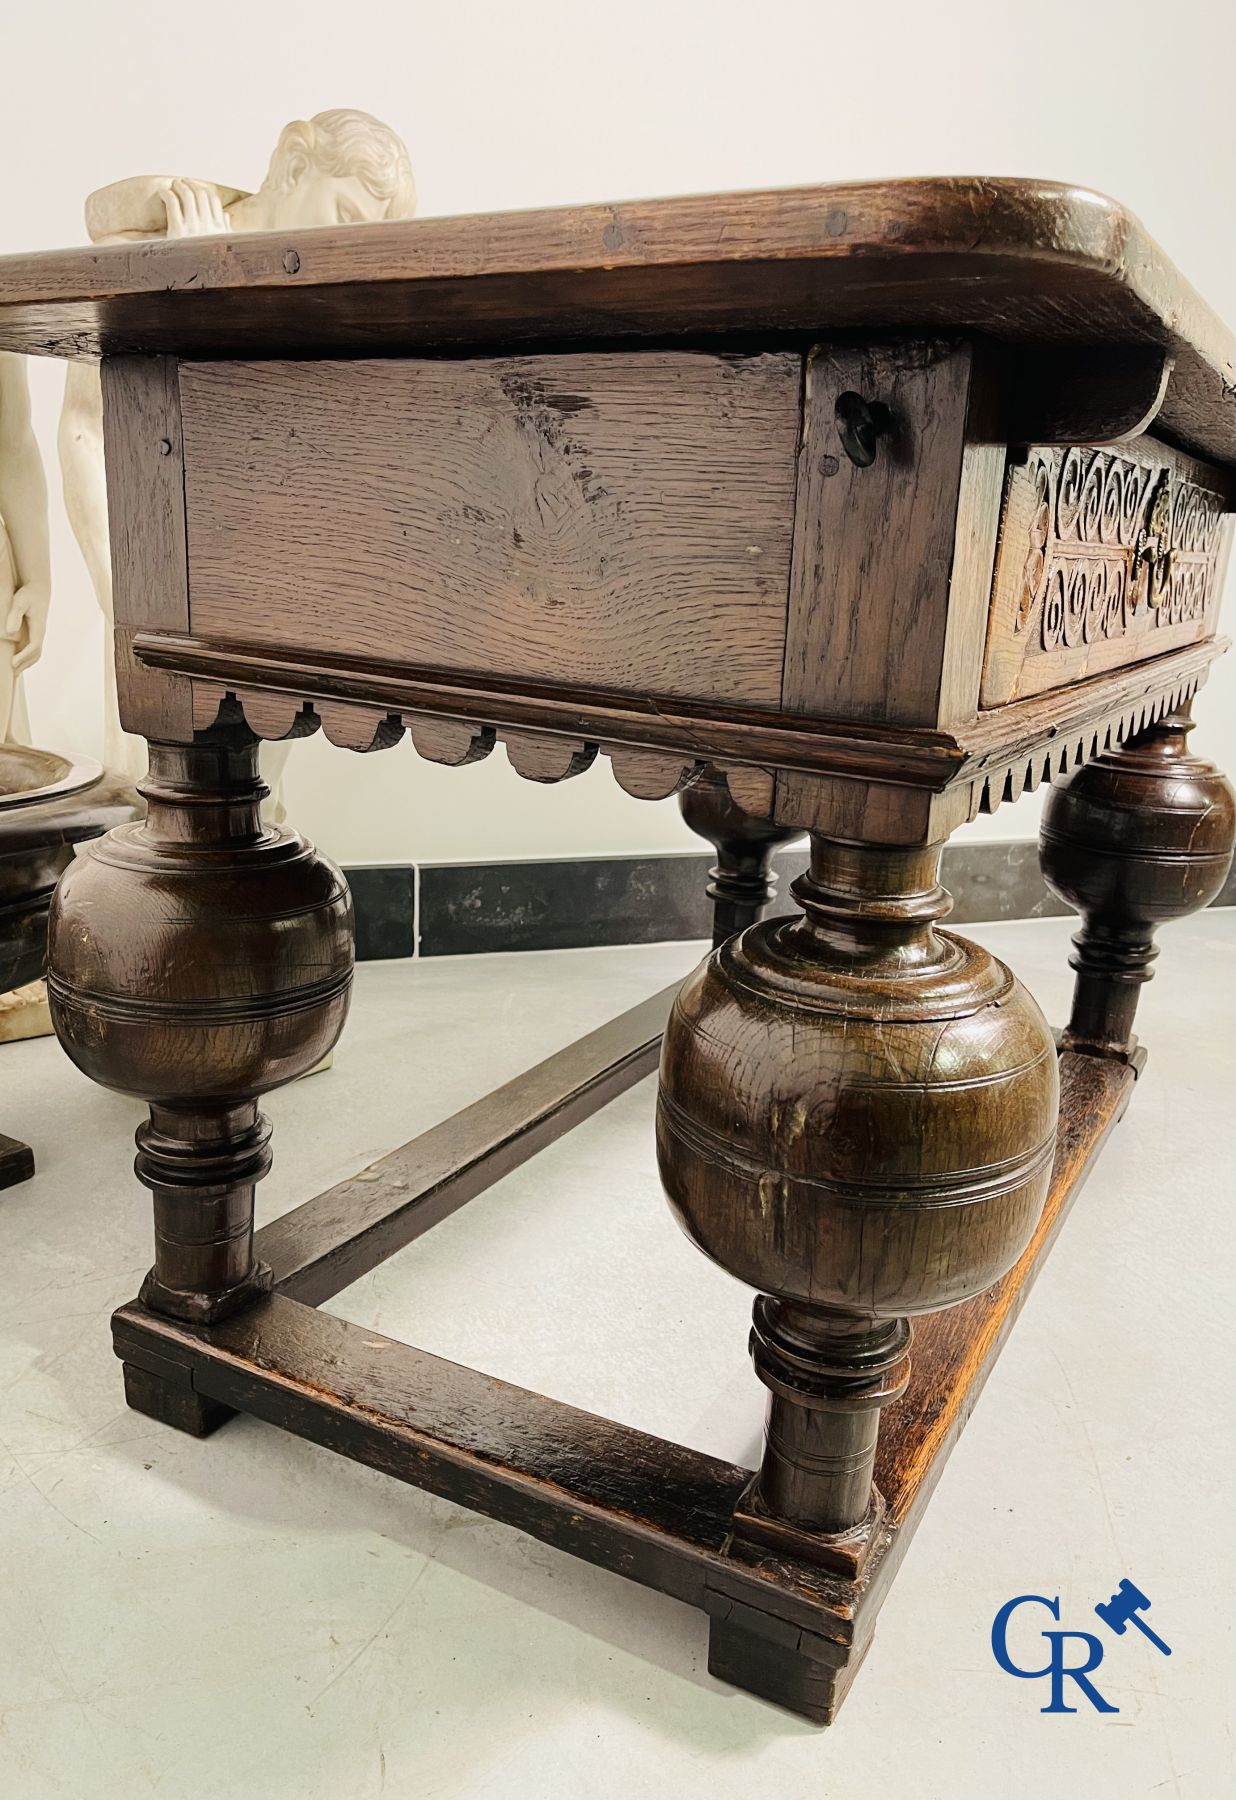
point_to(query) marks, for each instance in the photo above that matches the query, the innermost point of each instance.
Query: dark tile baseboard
(465, 908)
(384, 895)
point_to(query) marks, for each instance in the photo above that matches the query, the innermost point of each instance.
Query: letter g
(999, 1634)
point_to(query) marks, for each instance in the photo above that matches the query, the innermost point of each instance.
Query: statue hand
(194, 209)
(26, 625)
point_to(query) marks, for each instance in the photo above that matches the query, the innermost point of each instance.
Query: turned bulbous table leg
(198, 959)
(1139, 836)
(741, 883)
(857, 1117)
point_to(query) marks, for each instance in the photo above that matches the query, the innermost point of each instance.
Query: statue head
(338, 168)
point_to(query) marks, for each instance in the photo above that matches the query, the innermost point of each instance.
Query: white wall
(507, 105)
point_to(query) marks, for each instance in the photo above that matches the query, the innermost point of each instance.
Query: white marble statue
(25, 566)
(338, 168)
(25, 590)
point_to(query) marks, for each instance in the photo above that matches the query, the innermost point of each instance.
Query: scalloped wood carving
(752, 789)
(648, 775)
(275, 716)
(452, 742)
(270, 716)
(539, 757)
(547, 757)
(360, 728)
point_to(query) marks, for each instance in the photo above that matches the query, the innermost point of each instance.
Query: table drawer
(1105, 557)
(619, 522)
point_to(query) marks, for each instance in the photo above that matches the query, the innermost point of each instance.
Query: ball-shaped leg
(857, 1116)
(1137, 837)
(198, 959)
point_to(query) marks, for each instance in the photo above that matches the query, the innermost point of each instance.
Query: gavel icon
(1122, 1609)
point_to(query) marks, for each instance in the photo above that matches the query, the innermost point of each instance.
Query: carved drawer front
(1106, 557)
(620, 522)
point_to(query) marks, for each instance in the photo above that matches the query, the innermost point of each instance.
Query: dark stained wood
(891, 577)
(1007, 751)
(694, 729)
(954, 1351)
(777, 1660)
(1142, 835)
(16, 1161)
(146, 521)
(164, 1390)
(885, 604)
(647, 776)
(48, 804)
(683, 483)
(352, 728)
(856, 1118)
(331, 1241)
(455, 742)
(888, 587)
(197, 960)
(619, 521)
(540, 756)
(742, 883)
(976, 754)
(654, 1512)
(1107, 557)
(1100, 394)
(1022, 261)
(1019, 745)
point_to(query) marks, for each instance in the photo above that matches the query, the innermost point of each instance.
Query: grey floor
(253, 1616)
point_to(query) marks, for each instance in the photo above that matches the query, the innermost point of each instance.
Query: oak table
(878, 503)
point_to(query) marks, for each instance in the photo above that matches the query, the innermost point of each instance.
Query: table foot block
(16, 1161)
(173, 1400)
(779, 1662)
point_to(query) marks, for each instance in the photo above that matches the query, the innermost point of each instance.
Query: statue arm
(23, 509)
(143, 206)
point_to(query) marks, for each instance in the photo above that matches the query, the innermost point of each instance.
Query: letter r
(1059, 1674)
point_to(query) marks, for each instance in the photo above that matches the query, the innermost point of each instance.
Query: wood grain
(1072, 594)
(856, 1117)
(659, 1513)
(368, 501)
(196, 960)
(646, 776)
(954, 1351)
(146, 515)
(891, 578)
(1135, 838)
(916, 763)
(1027, 262)
(1096, 395)
(874, 597)
(654, 1512)
(742, 882)
(614, 521)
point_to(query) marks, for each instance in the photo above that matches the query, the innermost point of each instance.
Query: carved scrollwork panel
(1106, 556)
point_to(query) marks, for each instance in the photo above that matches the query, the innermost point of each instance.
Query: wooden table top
(1025, 262)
